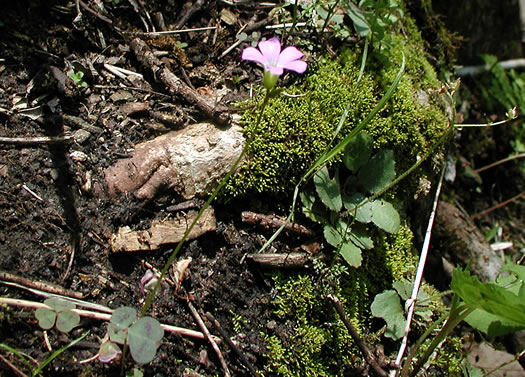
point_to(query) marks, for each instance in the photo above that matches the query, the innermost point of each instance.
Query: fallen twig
(499, 205)
(232, 345)
(208, 336)
(282, 260)
(274, 222)
(47, 287)
(100, 316)
(39, 140)
(369, 356)
(176, 86)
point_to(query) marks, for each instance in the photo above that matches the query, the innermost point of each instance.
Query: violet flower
(275, 61)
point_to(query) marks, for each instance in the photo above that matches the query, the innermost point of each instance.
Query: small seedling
(143, 336)
(59, 313)
(78, 78)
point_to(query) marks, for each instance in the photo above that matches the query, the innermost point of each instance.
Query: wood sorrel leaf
(358, 151)
(385, 216)
(143, 339)
(328, 189)
(378, 172)
(66, 320)
(46, 318)
(386, 305)
(123, 317)
(59, 304)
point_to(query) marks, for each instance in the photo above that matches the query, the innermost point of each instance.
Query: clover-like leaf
(46, 318)
(385, 216)
(378, 172)
(108, 351)
(143, 338)
(123, 317)
(66, 320)
(358, 151)
(386, 305)
(59, 304)
(328, 189)
(351, 254)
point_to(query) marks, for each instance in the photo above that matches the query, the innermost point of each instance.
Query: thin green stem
(220, 186)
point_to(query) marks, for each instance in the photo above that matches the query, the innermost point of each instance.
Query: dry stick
(15, 370)
(411, 302)
(510, 158)
(232, 345)
(176, 86)
(273, 222)
(369, 356)
(35, 140)
(39, 285)
(185, 16)
(208, 336)
(97, 315)
(96, 14)
(499, 205)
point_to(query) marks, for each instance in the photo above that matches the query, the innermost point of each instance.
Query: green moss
(294, 131)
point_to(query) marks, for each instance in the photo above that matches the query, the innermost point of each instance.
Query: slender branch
(499, 205)
(35, 140)
(369, 356)
(502, 161)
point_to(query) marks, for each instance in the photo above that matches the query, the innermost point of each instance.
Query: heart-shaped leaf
(66, 320)
(386, 305)
(143, 339)
(124, 316)
(46, 318)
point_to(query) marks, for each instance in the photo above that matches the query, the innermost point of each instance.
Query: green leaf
(117, 334)
(328, 189)
(108, 351)
(385, 216)
(358, 151)
(363, 213)
(360, 239)
(491, 324)
(519, 281)
(59, 304)
(378, 172)
(144, 337)
(66, 320)
(351, 254)
(46, 318)
(313, 209)
(332, 235)
(489, 297)
(386, 305)
(358, 19)
(123, 317)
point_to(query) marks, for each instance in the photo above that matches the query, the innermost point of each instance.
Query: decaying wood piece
(273, 222)
(461, 242)
(190, 161)
(289, 260)
(176, 86)
(162, 232)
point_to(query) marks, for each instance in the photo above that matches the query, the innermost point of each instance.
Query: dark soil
(55, 217)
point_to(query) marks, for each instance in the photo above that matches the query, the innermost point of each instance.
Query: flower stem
(220, 186)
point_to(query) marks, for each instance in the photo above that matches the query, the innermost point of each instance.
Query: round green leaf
(143, 338)
(386, 305)
(108, 351)
(385, 216)
(351, 254)
(66, 320)
(358, 151)
(46, 318)
(123, 317)
(378, 172)
(59, 304)
(331, 235)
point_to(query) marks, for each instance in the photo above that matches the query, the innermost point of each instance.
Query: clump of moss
(294, 131)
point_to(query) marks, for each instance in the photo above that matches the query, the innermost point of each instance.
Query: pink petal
(297, 66)
(254, 55)
(289, 54)
(270, 50)
(278, 71)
